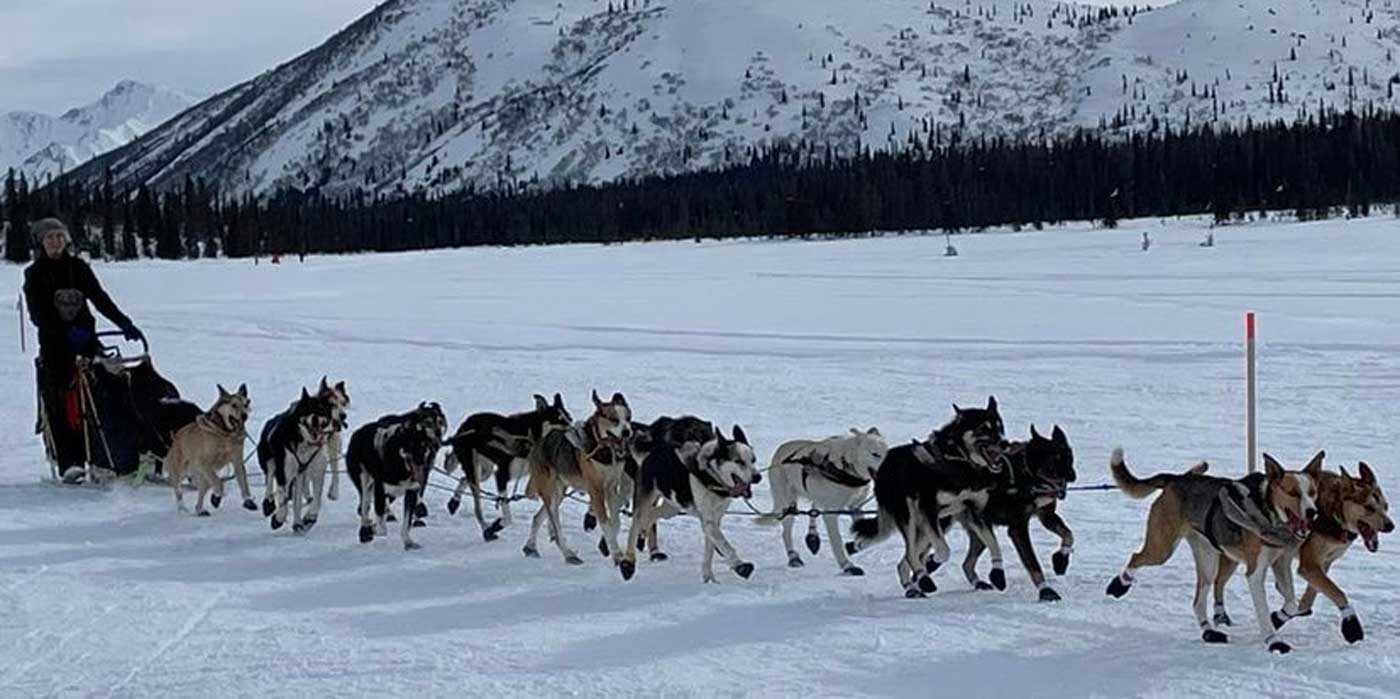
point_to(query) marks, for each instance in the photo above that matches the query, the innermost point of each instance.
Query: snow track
(115, 594)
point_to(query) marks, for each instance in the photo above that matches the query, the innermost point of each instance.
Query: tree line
(1333, 159)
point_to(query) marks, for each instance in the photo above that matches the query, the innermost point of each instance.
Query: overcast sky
(58, 54)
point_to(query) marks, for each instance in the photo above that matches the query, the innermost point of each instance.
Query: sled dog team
(965, 473)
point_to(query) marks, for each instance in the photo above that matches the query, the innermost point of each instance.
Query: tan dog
(590, 458)
(202, 448)
(1348, 509)
(1255, 521)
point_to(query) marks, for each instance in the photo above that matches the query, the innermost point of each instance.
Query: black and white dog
(431, 416)
(920, 485)
(393, 455)
(489, 443)
(1038, 473)
(291, 444)
(698, 479)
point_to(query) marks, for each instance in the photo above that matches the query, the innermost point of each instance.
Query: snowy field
(114, 594)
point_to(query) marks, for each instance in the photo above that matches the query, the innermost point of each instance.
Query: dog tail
(871, 531)
(783, 493)
(1133, 486)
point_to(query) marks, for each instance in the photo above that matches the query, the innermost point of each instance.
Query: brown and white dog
(591, 458)
(1347, 509)
(204, 447)
(1255, 521)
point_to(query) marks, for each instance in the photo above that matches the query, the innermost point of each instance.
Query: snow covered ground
(114, 594)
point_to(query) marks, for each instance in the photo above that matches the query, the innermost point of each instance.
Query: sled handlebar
(114, 351)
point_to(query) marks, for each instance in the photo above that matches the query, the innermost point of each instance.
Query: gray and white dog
(832, 474)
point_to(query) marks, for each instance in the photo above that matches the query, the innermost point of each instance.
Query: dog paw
(814, 543)
(453, 505)
(998, 577)
(913, 592)
(216, 500)
(1048, 594)
(853, 571)
(1223, 619)
(1351, 629)
(641, 543)
(982, 586)
(493, 530)
(419, 524)
(530, 552)
(926, 585)
(1280, 647)
(420, 510)
(391, 517)
(658, 557)
(573, 560)
(603, 547)
(412, 546)
(1278, 619)
(851, 548)
(795, 561)
(202, 513)
(250, 506)
(628, 568)
(1213, 636)
(366, 534)
(931, 565)
(744, 570)
(277, 524)
(267, 508)
(590, 522)
(299, 528)
(1117, 587)
(709, 579)
(1060, 562)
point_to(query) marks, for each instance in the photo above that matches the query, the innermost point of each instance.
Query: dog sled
(119, 409)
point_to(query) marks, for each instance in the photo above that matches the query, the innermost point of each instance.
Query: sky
(59, 54)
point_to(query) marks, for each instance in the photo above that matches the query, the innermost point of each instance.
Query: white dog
(832, 474)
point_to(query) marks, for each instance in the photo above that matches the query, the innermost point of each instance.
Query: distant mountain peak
(41, 145)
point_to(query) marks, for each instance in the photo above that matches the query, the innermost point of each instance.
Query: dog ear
(1367, 475)
(540, 402)
(559, 401)
(1059, 435)
(874, 432)
(1272, 468)
(324, 386)
(597, 402)
(304, 394)
(739, 435)
(855, 431)
(956, 409)
(619, 399)
(222, 392)
(1034, 434)
(340, 387)
(243, 390)
(1314, 467)
(991, 404)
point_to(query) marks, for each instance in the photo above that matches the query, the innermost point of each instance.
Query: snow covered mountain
(41, 145)
(440, 95)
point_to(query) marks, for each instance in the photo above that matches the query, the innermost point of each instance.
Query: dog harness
(827, 470)
(1327, 525)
